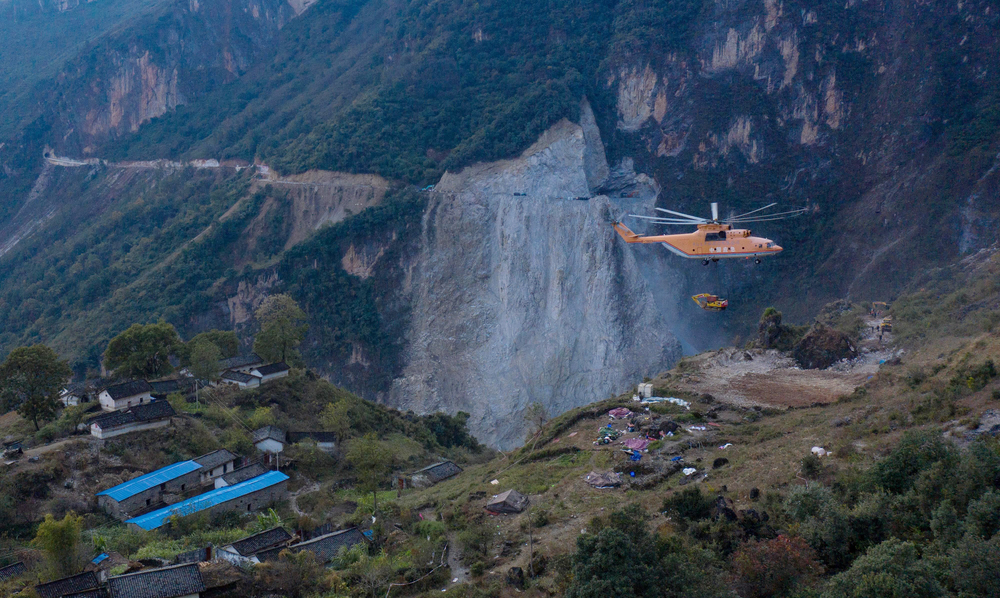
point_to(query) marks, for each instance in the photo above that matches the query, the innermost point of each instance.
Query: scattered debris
(819, 451)
(689, 470)
(619, 413)
(608, 479)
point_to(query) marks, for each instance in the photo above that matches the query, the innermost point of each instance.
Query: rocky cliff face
(871, 113)
(527, 298)
(188, 49)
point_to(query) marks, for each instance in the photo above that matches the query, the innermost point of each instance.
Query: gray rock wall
(518, 299)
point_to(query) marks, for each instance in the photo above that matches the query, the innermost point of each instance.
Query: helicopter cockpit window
(719, 236)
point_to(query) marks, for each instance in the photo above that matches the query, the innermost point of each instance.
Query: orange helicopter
(713, 240)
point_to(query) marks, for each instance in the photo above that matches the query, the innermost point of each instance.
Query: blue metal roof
(99, 558)
(150, 480)
(207, 500)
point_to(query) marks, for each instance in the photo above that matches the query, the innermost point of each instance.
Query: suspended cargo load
(710, 302)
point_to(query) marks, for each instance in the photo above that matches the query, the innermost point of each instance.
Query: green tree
(60, 541)
(205, 357)
(143, 350)
(372, 462)
(336, 418)
(31, 378)
(225, 340)
(282, 328)
(893, 569)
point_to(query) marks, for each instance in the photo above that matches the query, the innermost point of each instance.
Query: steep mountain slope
(880, 116)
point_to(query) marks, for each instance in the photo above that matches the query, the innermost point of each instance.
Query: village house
(74, 394)
(241, 379)
(12, 571)
(246, 497)
(68, 586)
(244, 551)
(126, 394)
(146, 491)
(215, 464)
(177, 581)
(240, 475)
(432, 474)
(147, 416)
(269, 439)
(103, 563)
(242, 363)
(324, 547)
(325, 441)
(271, 371)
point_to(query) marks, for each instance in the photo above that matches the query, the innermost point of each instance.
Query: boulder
(822, 347)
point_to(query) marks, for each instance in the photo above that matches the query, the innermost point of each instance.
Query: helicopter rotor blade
(659, 220)
(771, 217)
(689, 216)
(753, 211)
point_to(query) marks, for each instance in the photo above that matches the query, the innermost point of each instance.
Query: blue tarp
(208, 500)
(99, 558)
(150, 480)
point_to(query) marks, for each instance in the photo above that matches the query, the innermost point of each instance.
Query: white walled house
(215, 464)
(241, 379)
(242, 363)
(269, 439)
(148, 416)
(271, 371)
(126, 394)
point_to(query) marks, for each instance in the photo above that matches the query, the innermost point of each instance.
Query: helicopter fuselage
(711, 241)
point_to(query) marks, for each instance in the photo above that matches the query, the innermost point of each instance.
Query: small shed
(269, 439)
(245, 550)
(510, 501)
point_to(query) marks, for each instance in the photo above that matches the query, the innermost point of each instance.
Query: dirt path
(48, 448)
(459, 572)
(293, 498)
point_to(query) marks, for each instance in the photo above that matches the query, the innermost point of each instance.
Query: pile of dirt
(822, 347)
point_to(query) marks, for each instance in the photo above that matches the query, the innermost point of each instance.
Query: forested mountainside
(880, 116)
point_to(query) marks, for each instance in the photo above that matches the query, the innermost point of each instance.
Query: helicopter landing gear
(704, 262)
(715, 260)
(756, 260)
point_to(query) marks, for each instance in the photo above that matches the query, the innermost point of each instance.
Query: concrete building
(246, 497)
(215, 464)
(126, 394)
(147, 416)
(145, 492)
(271, 371)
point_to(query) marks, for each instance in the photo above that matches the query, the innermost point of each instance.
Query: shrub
(773, 567)
(893, 568)
(689, 504)
(812, 466)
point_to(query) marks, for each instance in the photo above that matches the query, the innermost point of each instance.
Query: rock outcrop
(527, 298)
(822, 347)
